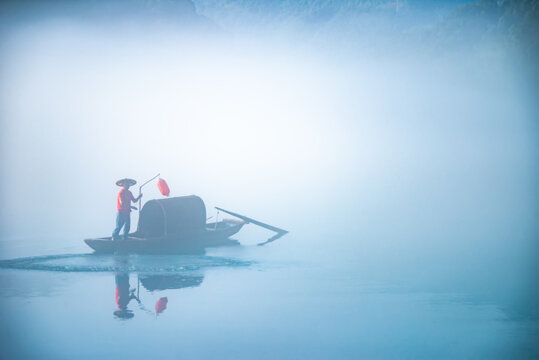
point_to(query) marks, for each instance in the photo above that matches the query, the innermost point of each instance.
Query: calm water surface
(244, 303)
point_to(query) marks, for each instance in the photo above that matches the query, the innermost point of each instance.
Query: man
(123, 218)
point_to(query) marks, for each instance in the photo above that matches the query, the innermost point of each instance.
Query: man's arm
(135, 199)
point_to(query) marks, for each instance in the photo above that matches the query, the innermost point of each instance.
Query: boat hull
(216, 234)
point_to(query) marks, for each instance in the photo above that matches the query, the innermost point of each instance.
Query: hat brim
(124, 182)
(124, 314)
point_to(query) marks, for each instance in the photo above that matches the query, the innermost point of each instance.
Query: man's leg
(127, 226)
(119, 224)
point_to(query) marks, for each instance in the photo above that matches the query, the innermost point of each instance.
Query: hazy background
(401, 136)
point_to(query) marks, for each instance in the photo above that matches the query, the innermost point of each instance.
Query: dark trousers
(123, 219)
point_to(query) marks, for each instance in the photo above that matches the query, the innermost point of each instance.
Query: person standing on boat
(125, 197)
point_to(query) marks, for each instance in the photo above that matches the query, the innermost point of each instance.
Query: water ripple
(123, 263)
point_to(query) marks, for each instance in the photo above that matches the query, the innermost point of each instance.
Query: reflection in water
(151, 282)
(161, 305)
(154, 273)
(165, 282)
(123, 296)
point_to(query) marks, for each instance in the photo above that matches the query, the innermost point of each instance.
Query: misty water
(405, 173)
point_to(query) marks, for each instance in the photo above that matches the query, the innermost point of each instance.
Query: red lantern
(163, 187)
(161, 305)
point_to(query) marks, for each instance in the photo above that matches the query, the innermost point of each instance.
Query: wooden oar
(272, 239)
(280, 232)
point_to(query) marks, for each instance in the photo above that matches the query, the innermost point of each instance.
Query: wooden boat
(177, 226)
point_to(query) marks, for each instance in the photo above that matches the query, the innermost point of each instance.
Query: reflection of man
(123, 296)
(125, 197)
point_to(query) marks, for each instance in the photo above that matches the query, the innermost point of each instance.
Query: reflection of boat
(175, 225)
(167, 282)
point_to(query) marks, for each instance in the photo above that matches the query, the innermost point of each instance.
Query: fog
(373, 137)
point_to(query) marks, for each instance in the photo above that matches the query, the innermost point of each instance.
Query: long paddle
(280, 232)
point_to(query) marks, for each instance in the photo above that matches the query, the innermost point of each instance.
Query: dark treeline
(100, 10)
(513, 24)
(517, 21)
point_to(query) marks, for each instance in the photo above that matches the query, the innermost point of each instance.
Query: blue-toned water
(255, 302)
(128, 263)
